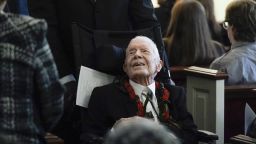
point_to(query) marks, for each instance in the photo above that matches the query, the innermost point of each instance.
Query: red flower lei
(163, 101)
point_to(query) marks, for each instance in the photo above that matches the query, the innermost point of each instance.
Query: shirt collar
(138, 88)
(241, 44)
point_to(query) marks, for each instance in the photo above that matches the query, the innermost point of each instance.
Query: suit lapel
(131, 108)
(130, 105)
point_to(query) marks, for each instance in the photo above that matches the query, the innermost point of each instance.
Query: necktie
(147, 93)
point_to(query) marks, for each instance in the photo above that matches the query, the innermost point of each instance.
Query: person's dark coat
(112, 15)
(111, 102)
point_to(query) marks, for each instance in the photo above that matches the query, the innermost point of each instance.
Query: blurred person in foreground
(31, 97)
(138, 130)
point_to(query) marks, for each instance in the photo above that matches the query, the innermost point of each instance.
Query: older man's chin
(141, 75)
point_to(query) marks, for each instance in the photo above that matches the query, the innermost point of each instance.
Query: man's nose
(138, 53)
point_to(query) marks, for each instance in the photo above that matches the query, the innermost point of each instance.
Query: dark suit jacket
(121, 15)
(163, 14)
(111, 102)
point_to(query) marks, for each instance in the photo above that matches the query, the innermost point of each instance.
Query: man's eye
(131, 52)
(144, 51)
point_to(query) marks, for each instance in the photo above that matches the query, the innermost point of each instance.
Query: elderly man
(138, 95)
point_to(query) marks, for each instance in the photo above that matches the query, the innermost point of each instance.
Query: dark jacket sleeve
(182, 116)
(50, 91)
(94, 126)
(142, 14)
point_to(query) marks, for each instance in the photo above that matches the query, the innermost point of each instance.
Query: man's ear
(124, 67)
(233, 29)
(159, 66)
(231, 34)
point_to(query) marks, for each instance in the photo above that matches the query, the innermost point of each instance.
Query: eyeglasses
(225, 25)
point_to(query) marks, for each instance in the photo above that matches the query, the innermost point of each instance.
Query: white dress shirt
(138, 89)
(239, 63)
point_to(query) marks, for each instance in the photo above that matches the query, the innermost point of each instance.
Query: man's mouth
(138, 64)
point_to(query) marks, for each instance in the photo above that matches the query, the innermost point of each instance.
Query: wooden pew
(235, 99)
(242, 139)
(205, 99)
(179, 75)
(200, 86)
(53, 139)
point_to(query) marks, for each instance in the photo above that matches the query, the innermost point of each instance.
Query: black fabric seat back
(105, 50)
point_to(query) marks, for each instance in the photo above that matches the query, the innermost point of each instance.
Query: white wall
(155, 3)
(220, 6)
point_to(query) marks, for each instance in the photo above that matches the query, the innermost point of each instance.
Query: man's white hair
(150, 42)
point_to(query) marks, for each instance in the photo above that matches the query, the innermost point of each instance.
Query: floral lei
(163, 101)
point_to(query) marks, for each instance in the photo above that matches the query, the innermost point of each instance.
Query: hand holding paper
(88, 80)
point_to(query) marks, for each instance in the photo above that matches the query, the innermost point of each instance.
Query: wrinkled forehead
(142, 42)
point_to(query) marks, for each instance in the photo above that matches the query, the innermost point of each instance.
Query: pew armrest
(242, 139)
(53, 139)
(206, 136)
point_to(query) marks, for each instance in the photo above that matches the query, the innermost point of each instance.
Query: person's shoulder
(107, 86)
(33, 28)
(115, 88)
(39, 26)
(109, 92)
(176, 92)
(19, 20)
(230, 62)
(111, 87)
(236, 55)
(170, 86)
(224, 61)
(174, 89)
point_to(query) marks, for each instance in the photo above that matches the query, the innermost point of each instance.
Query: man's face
(141, 61)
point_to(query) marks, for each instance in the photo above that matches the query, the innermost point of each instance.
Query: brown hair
(241, 14)
(214, 26)
(189, 39)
